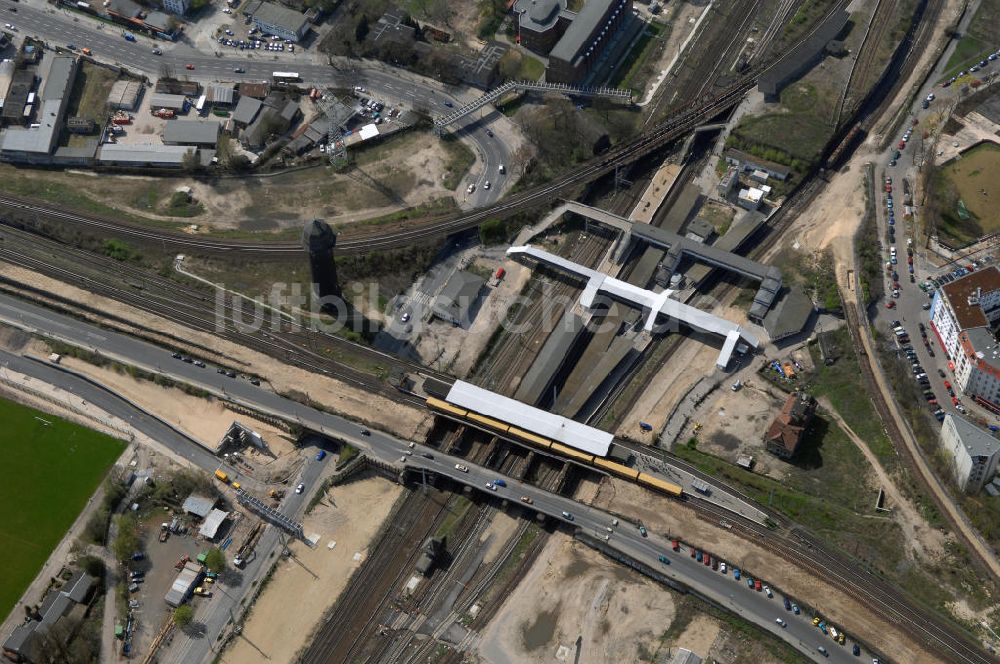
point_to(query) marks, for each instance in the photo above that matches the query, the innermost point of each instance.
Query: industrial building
(191, 132)
(171, 102)
(974, 452)
(274, 19)
(144, 156)
(125, 95)
(458, 301)
(36, 143)
(964, 315)
(184, 584)
(246, 110)
(198, 505)
(573, 41)
(210, 526)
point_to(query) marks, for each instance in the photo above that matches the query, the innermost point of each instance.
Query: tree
(127, 540)
(361, 30)
(183, 615)
(215, 560)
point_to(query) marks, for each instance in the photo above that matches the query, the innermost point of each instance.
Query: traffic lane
(113, 405)
(384, 445)
(626, 537)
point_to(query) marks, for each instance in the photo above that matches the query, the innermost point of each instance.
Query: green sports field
(50, 468)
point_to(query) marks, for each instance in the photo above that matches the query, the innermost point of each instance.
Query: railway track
(689, 115)
(196, 308)
(867, 52)
(802, 549)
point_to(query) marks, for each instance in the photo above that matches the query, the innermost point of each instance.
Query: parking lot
(238, 35)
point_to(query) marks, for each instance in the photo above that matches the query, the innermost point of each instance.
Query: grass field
(795, 136)
(51, 467)
(973, 179)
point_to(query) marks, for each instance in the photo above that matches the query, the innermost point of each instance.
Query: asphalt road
(215, 614)
(908, 307)
(59, 27)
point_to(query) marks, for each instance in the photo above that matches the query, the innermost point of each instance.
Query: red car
(677, 545)
(189, 66)
(692, 553)
(888, 188)
(947, 385)
(891, 304)
(954, 401)
(756, 585)
(708, 560)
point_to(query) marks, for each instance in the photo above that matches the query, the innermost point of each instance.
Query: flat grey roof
(789, 316)
(141, 154)
(706, 253)
(537, 421)
(279, 15)
(221, 94)
(459, 296)
(574, 39)
(193, 132)
(39, 139)
(978, 442)
(59, 80)
(163, 100)
(246, 110)
(539, 15)
(199, 505)
(550, 358)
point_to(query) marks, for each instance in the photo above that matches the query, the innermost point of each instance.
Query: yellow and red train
(601, 463)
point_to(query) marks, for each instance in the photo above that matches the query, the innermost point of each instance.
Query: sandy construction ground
(574, 592)
(333, 394)
(734, 423)
(205, 420)
(305, 586)
(672, 519)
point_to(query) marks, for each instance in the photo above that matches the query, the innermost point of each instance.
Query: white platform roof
(599, 283)
(537, 421)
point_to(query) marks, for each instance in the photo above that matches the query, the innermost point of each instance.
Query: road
(60, 27)
(719, 588)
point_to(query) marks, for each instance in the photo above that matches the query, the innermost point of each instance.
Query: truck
(221, 475)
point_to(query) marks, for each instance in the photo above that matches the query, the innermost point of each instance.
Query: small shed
(200, 506)
(212, 523)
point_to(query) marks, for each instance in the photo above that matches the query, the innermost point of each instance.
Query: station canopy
(537, 421)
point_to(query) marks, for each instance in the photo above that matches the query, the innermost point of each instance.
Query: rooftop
(199, 505)
(246, 109)
(977, 442)
(535, 420)
(59, 79)
(278, 15)
(789, 316)
(574, 40)
(212, 523)
(970, 313)
(144, 154)
(538, 15)
(458, 298)
(191, 132)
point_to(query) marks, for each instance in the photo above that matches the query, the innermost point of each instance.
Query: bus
(286, 77)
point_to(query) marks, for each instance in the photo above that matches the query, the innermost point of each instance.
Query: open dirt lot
(307, 584)
(403, 172)
(572, 591)
(335, 395)
(734, 423)
(205, 420)
(671, 518)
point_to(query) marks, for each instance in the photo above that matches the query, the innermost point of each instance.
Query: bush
(183, 615)
(215, 560)
(493, 231)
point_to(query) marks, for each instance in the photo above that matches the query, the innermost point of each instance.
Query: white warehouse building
(275, 19)
(974, 452)
(963, 315)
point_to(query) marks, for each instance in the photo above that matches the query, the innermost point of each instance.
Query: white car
(722, 567)
(472, 188)
(486, 185)
(767, 591)
(227, 10)
(405, 317)
(491, 486)
(781, 622)
(300, 488)
(462, 468)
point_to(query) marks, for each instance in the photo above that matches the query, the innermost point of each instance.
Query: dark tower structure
(319, 240)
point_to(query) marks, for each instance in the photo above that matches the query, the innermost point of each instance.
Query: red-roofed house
(786, 431)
